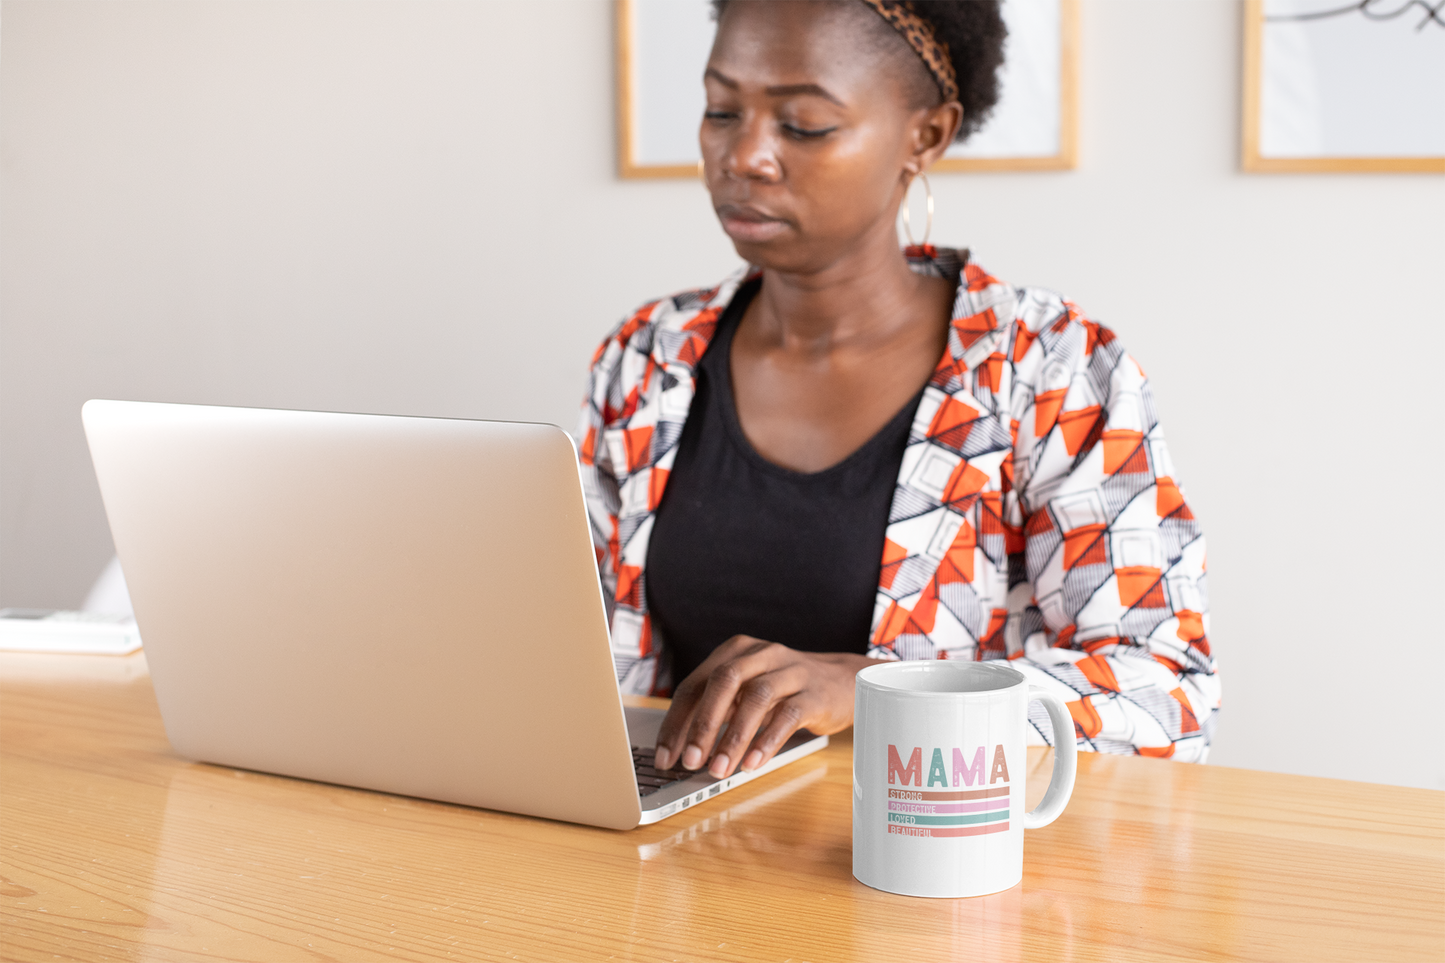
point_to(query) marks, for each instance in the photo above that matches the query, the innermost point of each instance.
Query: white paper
(76, 632)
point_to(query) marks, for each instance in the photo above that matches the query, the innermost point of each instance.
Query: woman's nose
(752, 152)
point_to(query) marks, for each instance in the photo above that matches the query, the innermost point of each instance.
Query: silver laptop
(403, 604)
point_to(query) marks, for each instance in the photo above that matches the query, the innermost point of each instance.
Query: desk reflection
(739, 835)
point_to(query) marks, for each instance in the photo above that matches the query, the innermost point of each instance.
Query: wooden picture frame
(1254, 157)
(633, 162)
(628, 163)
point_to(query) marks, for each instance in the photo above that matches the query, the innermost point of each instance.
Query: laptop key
(649, 778)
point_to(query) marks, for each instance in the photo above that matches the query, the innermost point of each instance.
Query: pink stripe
(939, 809)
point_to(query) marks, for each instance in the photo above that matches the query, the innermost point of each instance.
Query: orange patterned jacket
(1037, 516)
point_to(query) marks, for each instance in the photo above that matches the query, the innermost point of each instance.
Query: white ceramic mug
(938, 776)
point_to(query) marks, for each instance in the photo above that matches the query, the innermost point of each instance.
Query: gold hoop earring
(907, 223)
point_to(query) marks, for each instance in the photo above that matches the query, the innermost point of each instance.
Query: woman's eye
(805, 133)
(716, 115)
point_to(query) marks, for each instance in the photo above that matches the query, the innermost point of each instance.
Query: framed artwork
(1336, 85)
(663, 45)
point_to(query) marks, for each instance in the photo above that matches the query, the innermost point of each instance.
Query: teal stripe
(962, 820)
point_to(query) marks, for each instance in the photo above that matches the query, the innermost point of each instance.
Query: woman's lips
(749, 224)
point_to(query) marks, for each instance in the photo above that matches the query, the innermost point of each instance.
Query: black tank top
(743, 546)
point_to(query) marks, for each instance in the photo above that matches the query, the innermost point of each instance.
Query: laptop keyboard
(649, 778)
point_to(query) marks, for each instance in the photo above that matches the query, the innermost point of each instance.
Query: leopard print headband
(920, 36)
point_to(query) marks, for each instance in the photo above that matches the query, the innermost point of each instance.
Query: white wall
(411, 207)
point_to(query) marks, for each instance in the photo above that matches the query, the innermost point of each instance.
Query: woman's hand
(763, 692)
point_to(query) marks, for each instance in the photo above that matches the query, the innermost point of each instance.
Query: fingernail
(691, 757)
(752, 760)
(719, 765)
(662, 757)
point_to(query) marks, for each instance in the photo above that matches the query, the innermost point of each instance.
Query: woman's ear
(933, 130)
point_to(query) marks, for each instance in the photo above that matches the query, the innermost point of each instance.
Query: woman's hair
(974, 32)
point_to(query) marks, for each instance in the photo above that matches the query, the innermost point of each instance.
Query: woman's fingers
(674, 724)
(787, 718)
(672, 735)
(755, 703)
(719, 696)
(738, 708)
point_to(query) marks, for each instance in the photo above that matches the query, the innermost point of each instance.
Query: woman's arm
(1108, 604)
(600, 484)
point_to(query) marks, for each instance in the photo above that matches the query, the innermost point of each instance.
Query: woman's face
(813, 129)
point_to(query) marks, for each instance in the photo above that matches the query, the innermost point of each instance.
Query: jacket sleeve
(609, 462)
(1107, 600)
(600, 482)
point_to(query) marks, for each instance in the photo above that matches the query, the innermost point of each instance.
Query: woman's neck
(855, 301)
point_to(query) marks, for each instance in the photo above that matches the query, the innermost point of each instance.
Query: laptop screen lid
(402, 604)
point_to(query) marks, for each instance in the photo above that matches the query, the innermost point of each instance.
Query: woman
(847, 452)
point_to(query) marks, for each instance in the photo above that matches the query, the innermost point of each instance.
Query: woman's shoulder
(988, 305)
(1040, 327)
(671, 323)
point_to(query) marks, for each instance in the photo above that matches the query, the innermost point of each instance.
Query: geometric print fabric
(1036, 517)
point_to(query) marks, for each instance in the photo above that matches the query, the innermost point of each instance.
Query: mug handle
(1066, 752)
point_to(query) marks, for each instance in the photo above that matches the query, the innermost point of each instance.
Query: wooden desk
(111, 847)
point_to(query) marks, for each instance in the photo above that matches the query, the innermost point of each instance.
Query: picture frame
(1334, 86)
(661, 46)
